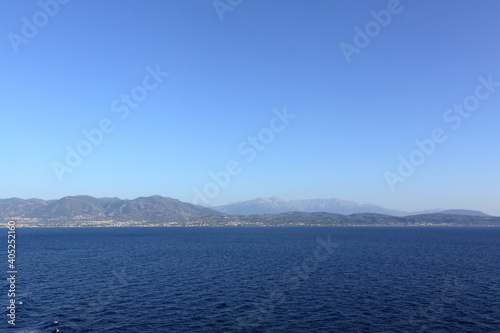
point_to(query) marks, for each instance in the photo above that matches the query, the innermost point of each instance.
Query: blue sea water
(294, 279)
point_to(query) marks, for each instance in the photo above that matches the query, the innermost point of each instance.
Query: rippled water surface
(257, 280)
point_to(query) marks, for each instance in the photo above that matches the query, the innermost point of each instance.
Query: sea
(255, 279)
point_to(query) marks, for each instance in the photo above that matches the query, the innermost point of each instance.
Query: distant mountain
(67, 207)
(21, 207)
(84, 210)
(156, 208)
(275, 205)
(84, 207)
(463, 212)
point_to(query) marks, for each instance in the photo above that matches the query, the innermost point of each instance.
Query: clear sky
(231, 100)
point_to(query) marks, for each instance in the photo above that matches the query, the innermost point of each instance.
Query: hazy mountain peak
(274, 205)
(269, 200)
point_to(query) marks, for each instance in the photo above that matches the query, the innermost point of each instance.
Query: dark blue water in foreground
(257, 280)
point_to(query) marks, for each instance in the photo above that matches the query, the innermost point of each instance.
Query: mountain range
(84, 210)
(152, 208)
(275, 205)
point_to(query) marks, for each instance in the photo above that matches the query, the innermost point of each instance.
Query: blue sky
(261, 98)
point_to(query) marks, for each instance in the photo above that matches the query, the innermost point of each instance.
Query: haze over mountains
(275, 205)
(83, 210)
